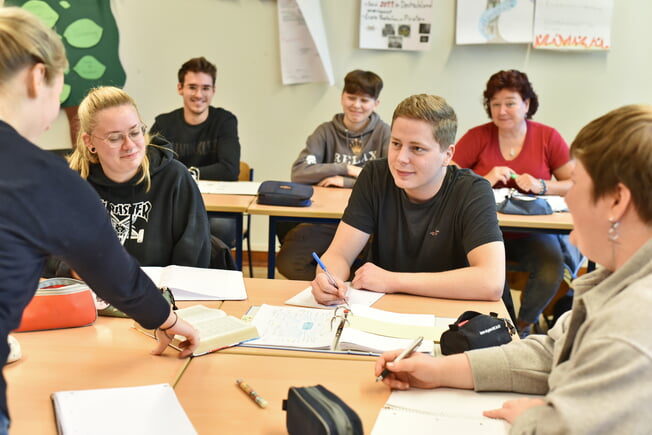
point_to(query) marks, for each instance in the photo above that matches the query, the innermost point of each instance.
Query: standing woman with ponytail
(39, 194)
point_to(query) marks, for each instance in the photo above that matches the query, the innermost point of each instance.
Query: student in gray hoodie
(334, 155)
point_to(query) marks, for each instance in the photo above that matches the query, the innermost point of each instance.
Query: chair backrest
(246, 173)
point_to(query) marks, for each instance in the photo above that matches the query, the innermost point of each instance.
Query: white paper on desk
(304, 48)
(557, 203)
(143, 410)
(229, 187)
(199, 284)
(442, 410)
(356, 297)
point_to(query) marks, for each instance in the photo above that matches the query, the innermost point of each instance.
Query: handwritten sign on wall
(396, 24)
(573, 24)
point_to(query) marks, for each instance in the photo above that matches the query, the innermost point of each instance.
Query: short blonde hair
(98, 99)
(435, 111)
(24, 41)
(617, 148)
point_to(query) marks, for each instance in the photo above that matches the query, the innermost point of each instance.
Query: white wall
(241, 37)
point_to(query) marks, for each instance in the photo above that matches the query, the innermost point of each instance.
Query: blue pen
(328, 275)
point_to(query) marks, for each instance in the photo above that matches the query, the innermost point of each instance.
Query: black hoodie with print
(165, 225)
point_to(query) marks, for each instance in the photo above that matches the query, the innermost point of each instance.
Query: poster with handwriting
(396, 24)
(494, 21)
(573, 24)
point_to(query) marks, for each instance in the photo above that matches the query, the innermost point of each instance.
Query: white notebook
(143, 410)
(199, 284)
(442, 411)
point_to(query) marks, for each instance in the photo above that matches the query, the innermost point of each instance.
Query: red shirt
(543, 151)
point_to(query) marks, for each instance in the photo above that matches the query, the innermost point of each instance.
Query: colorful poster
(90, 34)
(396, 25)
(494, 21)
(573, 24)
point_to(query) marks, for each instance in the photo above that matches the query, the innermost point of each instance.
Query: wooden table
(328, 204)
(111, 353)
(108, 354)
(234, 206)
(208, 392)
(215, 404)
(276, 292)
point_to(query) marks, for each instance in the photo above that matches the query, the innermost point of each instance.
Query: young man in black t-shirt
(435, 229)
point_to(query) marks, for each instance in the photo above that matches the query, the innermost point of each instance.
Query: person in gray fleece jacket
(593, 370)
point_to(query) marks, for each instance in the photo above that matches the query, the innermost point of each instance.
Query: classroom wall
(241, 37)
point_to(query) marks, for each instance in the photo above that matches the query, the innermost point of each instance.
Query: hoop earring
(92, 150)
(614, 231)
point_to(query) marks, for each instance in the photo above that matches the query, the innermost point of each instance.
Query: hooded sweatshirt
(168, 224)
(332, 147)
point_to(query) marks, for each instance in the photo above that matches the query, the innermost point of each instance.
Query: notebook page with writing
(442, 410)
(142, 410)
(311, 329)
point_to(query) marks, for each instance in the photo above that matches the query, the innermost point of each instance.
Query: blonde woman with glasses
(46, 208)
(155, 205)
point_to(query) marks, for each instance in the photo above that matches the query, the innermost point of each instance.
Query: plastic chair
(247, 174)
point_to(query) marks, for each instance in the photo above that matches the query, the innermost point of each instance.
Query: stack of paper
(145, 410)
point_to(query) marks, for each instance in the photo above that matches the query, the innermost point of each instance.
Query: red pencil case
(59, 303)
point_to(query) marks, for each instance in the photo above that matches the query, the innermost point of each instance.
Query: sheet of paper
(293, 327)
(356, 297)
(442, 410)
(149, 409)
(573, 24)
(493, 21)
(396, 325)
(373, 341)
(396, 25)
(199, 284)
(304, 48)
(229, 187)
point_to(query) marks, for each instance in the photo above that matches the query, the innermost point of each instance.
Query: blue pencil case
(285, 193)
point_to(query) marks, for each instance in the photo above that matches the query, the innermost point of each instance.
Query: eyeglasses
(115, 140)
(205, 89)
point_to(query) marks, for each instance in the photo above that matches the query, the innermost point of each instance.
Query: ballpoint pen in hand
(328, 275)
(406, 353)
(331, 280)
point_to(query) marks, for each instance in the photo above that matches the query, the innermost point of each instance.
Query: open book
(367, 330)
(442, 410)
(217, 330)
(143, 410)
(199, 284)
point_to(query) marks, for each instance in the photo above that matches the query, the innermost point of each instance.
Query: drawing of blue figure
(488, 22)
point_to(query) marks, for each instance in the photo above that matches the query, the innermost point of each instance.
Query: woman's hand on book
(182, 328)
